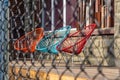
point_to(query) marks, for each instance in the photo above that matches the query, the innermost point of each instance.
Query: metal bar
(52, 15)
(64, 12)
(4, 35)
(43, 14)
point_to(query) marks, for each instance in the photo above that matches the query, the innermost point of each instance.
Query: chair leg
(60, 59)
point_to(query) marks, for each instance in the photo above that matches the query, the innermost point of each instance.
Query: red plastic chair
(28, 42)
(75, 42)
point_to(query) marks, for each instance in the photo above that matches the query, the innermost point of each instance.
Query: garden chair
(49, 42)
(75, 42)
(28, 42)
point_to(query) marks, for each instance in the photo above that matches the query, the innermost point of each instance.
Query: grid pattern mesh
(24, 23)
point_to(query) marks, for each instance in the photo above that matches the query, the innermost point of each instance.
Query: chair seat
(74, 43)
(49, 42)
(28, 42)
(51, 50)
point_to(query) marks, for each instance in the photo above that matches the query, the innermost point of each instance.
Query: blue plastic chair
(49, 43)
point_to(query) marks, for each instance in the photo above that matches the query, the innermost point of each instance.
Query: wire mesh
(99, 58)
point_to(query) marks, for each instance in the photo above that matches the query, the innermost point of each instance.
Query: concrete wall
(99, 50)
(117, 32)
(105, 50)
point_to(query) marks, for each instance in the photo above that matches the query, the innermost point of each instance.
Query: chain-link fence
(59, 40)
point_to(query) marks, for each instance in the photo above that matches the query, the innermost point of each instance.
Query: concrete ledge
(20, 74)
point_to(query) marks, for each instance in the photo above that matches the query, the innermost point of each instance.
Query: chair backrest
(27, 42)
(50, 41)
(75, 42)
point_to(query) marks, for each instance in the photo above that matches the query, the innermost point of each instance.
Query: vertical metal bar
(7, 40)
(43, 14)
(52, 15)
(6, 27)
(64, 12)
(1, 39)
(33, 18)
(3, 36)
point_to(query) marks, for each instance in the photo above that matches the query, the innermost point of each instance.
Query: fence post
(3, 40)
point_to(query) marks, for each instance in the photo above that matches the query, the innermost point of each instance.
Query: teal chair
(49, 42)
